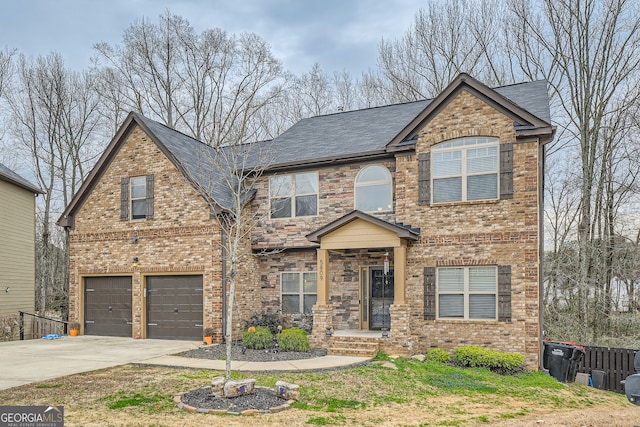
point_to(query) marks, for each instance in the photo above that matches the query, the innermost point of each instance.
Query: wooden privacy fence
(616, 363)
(40, 326)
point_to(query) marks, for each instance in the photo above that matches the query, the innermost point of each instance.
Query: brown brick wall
(180, 239)
(503, 232)
(336, 199)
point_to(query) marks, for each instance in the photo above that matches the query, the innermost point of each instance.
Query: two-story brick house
(409, 226)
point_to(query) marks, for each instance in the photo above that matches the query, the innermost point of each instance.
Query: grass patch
(327, 421)
(424, 393)
(148, 402)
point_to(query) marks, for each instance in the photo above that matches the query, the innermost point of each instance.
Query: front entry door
(381, 297)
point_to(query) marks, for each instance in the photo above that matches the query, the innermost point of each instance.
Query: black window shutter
(424, 178)
(504, 293)
(506, 171)
(429, 293)
(149, 196)
(124, 199)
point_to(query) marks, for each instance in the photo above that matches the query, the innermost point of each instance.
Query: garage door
(174, 307)
(107, 306)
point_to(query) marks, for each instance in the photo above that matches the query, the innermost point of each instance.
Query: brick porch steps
(353, 346)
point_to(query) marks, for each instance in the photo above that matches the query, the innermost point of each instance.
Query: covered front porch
(372, 306)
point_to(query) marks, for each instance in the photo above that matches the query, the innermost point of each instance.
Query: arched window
(373, 191)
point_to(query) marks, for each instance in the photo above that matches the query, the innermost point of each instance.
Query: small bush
(274, 321)
(438, 355)
(478, 357)
(258, 338)
(293, 340)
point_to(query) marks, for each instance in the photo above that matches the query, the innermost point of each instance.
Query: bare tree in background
(211, 86)
(54, 118)
(446, 39)
(589, 51)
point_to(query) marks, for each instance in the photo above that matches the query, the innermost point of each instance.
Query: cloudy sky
(337, 34)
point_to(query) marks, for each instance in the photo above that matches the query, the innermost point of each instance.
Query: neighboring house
(445, 194)
(17, 250)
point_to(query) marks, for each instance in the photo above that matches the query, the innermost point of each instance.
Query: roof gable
(525, 122)
(184, 152)
(398, 231)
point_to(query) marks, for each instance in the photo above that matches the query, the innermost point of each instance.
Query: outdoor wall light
(136, 262)
(7, 289)
(135, 239)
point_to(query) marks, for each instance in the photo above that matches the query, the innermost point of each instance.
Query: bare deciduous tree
(54, 118)
(210, 85)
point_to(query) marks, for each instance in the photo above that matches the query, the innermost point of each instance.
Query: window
(299, 292)
(294, 195)
(136, 197)
(373, 191)
(465, 169)
(467, 293)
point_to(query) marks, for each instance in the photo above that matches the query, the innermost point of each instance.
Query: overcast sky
(337, 34)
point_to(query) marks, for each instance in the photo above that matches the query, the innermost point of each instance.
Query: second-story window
(465, 169)
(136, 197)
(294, 195)
(373, 190)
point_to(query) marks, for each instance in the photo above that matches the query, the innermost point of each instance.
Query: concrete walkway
(25, 362)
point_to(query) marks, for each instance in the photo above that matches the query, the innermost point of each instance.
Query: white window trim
(465, 293)
(463, 174)
(301, 293)
(372, 183)
(293, 196)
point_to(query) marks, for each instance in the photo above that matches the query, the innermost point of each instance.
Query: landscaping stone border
(177, 399)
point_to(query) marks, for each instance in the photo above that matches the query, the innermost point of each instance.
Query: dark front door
(381, 298)
(107, 306)
(174, 307)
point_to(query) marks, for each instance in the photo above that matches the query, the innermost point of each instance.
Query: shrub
(293, 340)
(438, 355)
(258, 339)
(274, 321)
(478, 357)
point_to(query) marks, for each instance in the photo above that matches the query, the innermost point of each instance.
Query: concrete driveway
(24, 362)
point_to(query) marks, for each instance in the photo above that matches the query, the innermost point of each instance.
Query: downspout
(541, 161)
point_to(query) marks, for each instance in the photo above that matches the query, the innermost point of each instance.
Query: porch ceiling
(358, 230)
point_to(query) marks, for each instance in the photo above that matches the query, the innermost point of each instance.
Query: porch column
(323, 276)
(399, 273)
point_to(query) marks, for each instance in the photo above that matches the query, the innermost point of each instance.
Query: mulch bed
(263, 400)
(219, 352)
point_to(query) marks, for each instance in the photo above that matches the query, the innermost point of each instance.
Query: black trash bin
(557, 357)
(574, 362)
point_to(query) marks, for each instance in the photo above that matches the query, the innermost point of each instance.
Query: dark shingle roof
(331, 136)
(343, 134)
(531, 96)
(8, 175)
(369, 130)
(197, 159)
